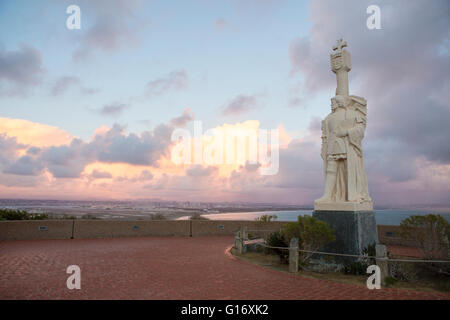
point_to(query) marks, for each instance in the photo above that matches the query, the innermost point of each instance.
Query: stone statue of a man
(342, 134)
(345, 205)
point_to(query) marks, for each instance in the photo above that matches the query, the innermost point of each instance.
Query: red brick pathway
(160, 268)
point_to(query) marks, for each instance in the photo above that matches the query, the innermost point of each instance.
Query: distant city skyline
(89, 113)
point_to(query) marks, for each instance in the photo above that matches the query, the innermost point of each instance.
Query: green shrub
(13, 214)
(405, 271)
(430, 233)
(312, 235)
(38, 216)
(276, 239)
(158, 216)
(267, 218)
(359, 267)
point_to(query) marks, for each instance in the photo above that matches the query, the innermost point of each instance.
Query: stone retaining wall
(67, 229)
(33, 230)
(81, 229)
(138, 228)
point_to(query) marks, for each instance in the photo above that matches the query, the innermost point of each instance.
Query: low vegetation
(312, 234)
(430, 234)
(13, 214)
(267, 218)
(276, 239)
(158, 216)
(359, 267)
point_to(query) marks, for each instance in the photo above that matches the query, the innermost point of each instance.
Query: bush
(312, 235)
(431, 235)
(158, 216)
(38, 216)
(12, 214)
(360, 266)
(267, 218)
(276, 239)
(405, 271)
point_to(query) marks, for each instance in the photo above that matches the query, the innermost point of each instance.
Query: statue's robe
(351, 182)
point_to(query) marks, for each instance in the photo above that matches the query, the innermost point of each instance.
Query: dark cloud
(26, 166)
(240, 105)
(20, 70)
(175, 80)
(33, 151)
(67, 161)
(144, 149)
(10, 163)
(8, 149)
(112, 146)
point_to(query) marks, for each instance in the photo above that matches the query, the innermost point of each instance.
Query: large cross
(339, 45)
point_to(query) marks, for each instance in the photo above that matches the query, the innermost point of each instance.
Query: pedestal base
(343, 206)
(354, 230)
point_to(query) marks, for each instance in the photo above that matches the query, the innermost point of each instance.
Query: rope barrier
(354, 255)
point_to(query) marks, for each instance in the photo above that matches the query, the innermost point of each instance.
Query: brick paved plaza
(161, 268)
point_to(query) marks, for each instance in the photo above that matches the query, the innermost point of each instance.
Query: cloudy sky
(89, 113)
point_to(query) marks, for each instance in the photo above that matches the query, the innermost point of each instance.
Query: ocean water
(383, 217)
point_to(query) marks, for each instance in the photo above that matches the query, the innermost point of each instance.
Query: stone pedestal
(354, 230)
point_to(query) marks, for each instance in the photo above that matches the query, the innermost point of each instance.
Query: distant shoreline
(143, 210)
